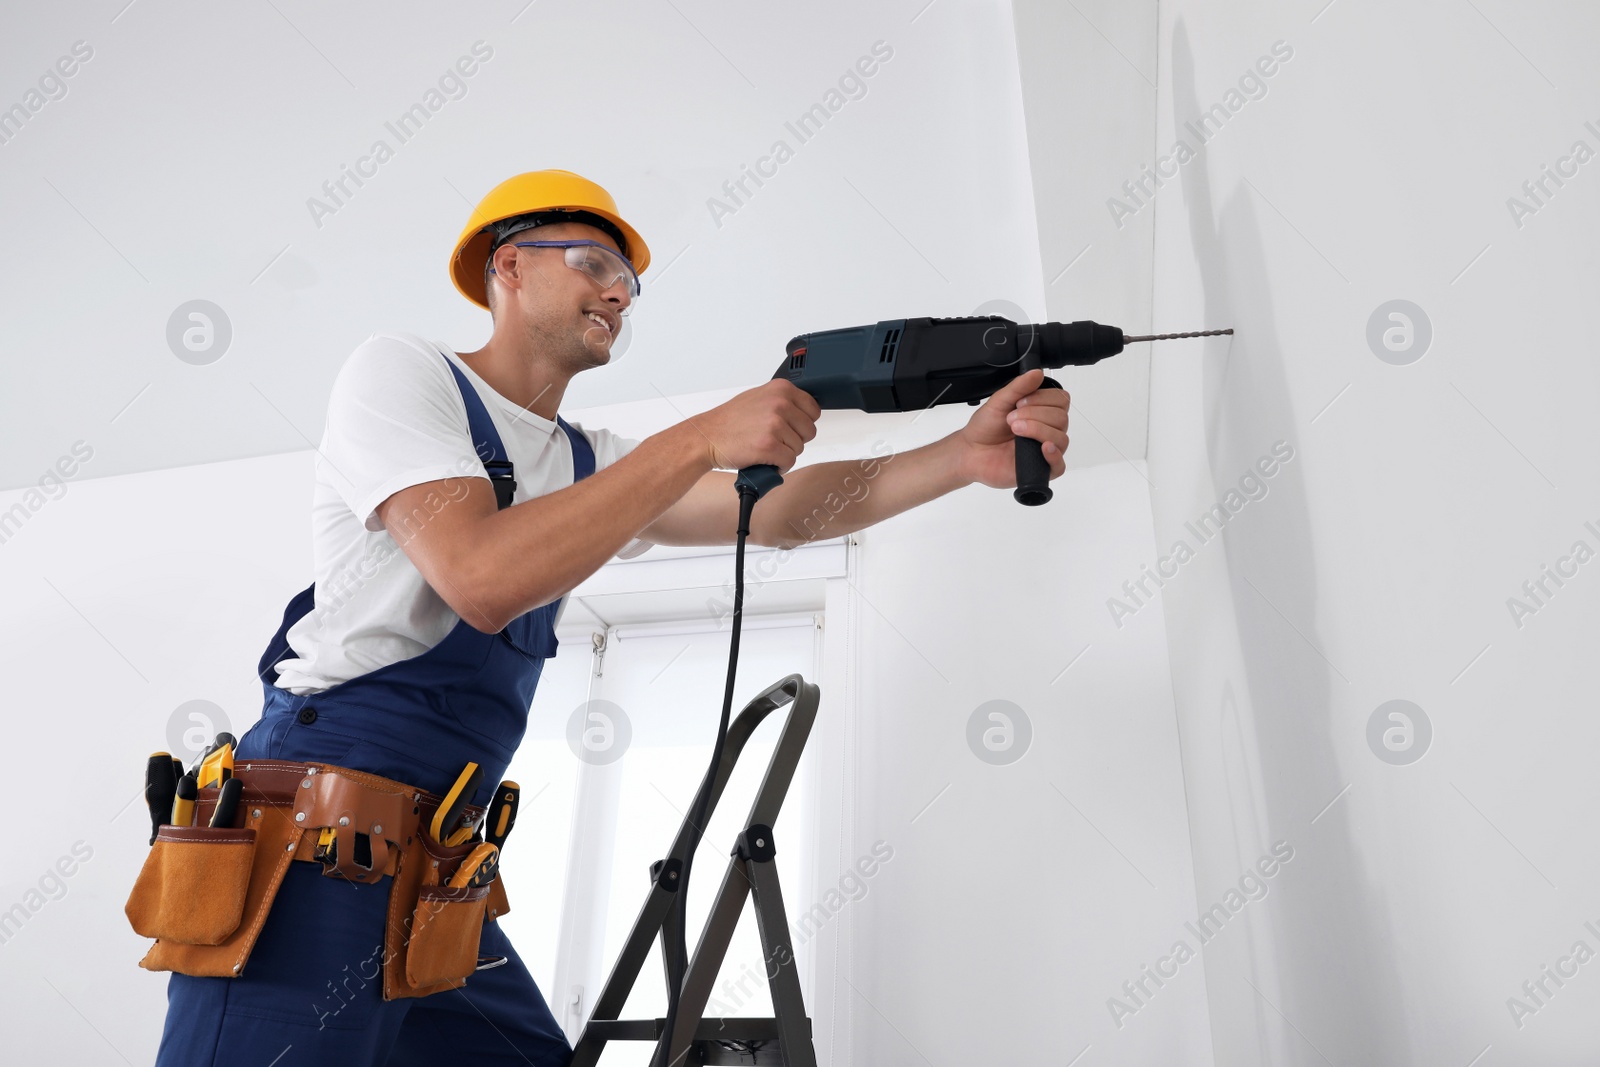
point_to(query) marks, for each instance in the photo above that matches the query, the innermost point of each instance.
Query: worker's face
(565, 311)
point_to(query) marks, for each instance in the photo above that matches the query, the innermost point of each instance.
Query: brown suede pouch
(445, 929)
(440, 925)
(276, 840)
(191, 889)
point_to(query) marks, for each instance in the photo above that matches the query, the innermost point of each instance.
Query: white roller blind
(669, 684)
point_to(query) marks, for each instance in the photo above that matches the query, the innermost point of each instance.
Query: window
(667, 681)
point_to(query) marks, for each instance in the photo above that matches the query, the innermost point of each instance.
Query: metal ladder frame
(733, 1040)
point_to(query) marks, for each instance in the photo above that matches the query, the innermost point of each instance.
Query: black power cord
(753, 483)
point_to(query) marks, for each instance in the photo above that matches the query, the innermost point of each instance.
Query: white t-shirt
(396, 419)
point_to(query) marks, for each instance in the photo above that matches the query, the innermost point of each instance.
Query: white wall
(1088, 84)
(1022, 896)
(1378, 566)
(126, 599)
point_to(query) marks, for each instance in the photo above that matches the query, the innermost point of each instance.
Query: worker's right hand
(768, 424)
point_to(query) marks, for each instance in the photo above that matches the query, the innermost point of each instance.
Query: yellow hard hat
(536, 191)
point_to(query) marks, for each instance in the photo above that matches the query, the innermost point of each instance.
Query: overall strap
(490, 449)
(486, 440)
(582, 454)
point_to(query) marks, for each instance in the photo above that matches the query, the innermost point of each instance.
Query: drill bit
(1176, 336)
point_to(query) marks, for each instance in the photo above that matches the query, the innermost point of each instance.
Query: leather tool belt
(204, 892)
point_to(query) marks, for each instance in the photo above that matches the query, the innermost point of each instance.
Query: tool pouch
(445, 931)
(193, 885)
(204, 892)
(434, 930)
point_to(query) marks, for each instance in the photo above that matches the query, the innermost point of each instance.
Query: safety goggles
(602, 264)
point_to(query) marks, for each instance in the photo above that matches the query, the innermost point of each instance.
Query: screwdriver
(160, 787)
(227, 802)
(188, 792)
(502, 814)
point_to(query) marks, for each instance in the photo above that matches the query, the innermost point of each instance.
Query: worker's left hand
(1021, 409)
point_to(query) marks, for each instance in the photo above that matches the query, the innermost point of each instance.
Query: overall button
(307, 716)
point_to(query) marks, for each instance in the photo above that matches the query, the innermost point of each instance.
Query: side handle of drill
(1033, 470)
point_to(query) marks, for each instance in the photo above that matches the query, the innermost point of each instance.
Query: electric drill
(910, 364)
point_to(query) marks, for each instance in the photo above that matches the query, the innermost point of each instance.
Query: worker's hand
(768, 424)
(1021, 409)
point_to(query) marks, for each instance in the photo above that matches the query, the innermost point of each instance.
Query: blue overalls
(311, 994)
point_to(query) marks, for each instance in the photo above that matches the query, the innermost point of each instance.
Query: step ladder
(785, 1038)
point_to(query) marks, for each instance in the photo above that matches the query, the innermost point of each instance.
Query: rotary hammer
(909, 364)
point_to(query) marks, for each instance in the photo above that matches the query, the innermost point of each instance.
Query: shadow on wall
(1323, 962)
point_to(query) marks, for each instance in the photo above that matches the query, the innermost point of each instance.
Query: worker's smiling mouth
(597, 326)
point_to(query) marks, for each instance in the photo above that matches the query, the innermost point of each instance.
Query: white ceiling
(179, 163)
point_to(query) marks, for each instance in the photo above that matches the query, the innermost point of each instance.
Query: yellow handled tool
(217, 767)
(479, 868)
(502, 813)
(446, 828)
(227, 802)
(184, 801)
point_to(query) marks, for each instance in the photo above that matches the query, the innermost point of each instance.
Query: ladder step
(732, 1028)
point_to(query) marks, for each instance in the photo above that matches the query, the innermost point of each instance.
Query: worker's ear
(517, 272)
(507, 266)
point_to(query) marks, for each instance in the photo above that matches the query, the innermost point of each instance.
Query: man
(454, 510)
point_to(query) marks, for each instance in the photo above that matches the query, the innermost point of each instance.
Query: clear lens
(604, 266)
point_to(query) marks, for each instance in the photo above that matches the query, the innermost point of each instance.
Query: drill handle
(1033, 470)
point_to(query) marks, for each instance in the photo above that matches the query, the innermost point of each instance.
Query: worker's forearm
(536, 551)
(832, 499)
